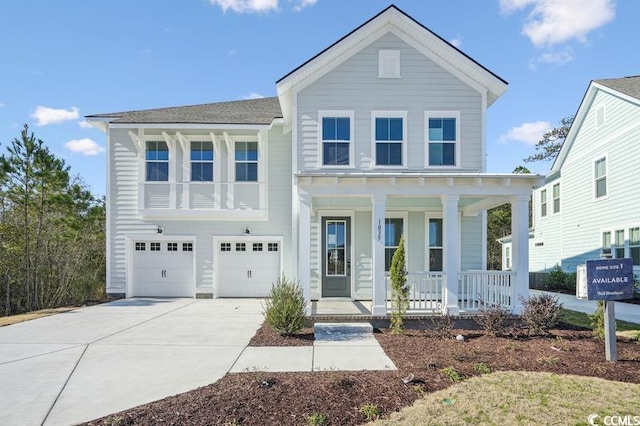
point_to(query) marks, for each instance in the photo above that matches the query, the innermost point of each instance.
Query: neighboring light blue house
(381, 134)
(589, 206)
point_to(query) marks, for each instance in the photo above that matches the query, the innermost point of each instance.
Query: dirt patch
(258, 398)
(265, 336)
(15, 319)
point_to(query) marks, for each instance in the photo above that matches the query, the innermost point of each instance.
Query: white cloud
(551, 22)
(559, 58)
(253, 95)
(246, 6)
(84, 124)
(45, 115)
(84, 146)
(457, 42)
(301, 4)
(527, 133)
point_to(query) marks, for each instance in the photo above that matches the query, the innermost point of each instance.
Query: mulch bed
(265, 336)
(259, 398)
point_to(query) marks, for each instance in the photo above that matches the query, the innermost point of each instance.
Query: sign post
(608, 280)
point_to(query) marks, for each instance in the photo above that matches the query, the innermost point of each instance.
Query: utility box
(581, 283)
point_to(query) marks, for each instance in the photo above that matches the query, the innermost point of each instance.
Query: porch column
(304, 248)
(451, 253)
(520, 248)
(379, 284)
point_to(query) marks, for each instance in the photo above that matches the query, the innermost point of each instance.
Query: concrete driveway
(90, 362)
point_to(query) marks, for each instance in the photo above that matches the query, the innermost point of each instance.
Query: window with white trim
(336, 138)
(157, 161)
(246, 157)
(543, 203)
(442, 138)
(202, 161)
(435, 249)
(556, 198)
(634, 245)
(619, 243)
(605, 251)
(389, 137)
(507, 258)
(600, 175)
(393, 230)
(388, 63)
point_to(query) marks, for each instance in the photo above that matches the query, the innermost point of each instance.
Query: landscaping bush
(285, 307)
(399, 289)
(494, 320)
(597, 321)
(556, 278)
(540, 313)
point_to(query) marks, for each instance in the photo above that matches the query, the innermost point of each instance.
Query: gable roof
(395, 21)
(247, 112)
(627, 88)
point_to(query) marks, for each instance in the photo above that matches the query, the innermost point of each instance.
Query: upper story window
(634, 245)
(246, 161)
(543, 203)
(336, 137)
(556, 198)
(388, 63)
(600, 175)
(157, 159)
(201, 161)
(389, 137)
(442, 137)
(393, 229)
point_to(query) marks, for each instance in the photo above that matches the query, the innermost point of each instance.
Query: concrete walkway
(87, 363)
(624, 311)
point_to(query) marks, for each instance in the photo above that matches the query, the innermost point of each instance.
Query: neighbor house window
(157, 158)
(556, 198)
(601, 177)
(606, 244)
(246, 161)
(507, 258)
(336, 139)
(634, 245)
(389, 133)
(619, 240)
(435, 245)
(442, 138)
(201, 161)
(393, 230)
(543, 203)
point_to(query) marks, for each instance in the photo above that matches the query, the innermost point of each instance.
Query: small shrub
(540, 313)
(442, 326)
(597, 321)
(494, 321)
(371, 412)
(317, 419)
(285, 307)
(556, 278)
(569, 283)
(399, 289)
(452, 374)
(482, 368)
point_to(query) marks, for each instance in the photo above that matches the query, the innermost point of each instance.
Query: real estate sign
(609, 279)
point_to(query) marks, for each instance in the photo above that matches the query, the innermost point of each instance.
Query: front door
(336, 257)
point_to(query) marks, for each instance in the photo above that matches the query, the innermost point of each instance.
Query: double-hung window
(389, 136)
(202, 161)
(336, 136)
(393, 230)
(600, 175)
(556, 198)
(606, 244)
(157, 161)
(619, 240)
(543, 203)
(435, 249)
(634, 245)
(246, 161)
(442, 137)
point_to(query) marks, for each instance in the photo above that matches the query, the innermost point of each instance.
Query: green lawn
(580, 319)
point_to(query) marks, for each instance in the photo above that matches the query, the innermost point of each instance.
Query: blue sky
(63, 59)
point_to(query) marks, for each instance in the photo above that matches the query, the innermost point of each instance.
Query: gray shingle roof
(628, 85)
(251, 111)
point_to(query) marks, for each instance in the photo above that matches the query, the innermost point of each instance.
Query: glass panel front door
(336, 248)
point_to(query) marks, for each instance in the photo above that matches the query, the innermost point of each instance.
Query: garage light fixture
(160, 230)
(247, 231)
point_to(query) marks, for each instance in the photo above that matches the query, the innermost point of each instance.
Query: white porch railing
(202, 195)
(485, 289)
(476, 290)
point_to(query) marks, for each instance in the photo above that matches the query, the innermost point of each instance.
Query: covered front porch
(349, 226)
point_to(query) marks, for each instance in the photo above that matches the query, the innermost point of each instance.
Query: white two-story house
(381, 134)
(589, 206)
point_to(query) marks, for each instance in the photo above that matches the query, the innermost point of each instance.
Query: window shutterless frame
(442, 138)
(336, 139)
(389, 139)
(600, 186)
(156, 161)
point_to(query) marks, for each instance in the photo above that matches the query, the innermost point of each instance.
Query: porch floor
(331, 308)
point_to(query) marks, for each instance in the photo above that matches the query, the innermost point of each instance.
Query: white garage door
(247, 268)
(162, 269)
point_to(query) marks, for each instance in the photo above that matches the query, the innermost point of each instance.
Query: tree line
(52, 231)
